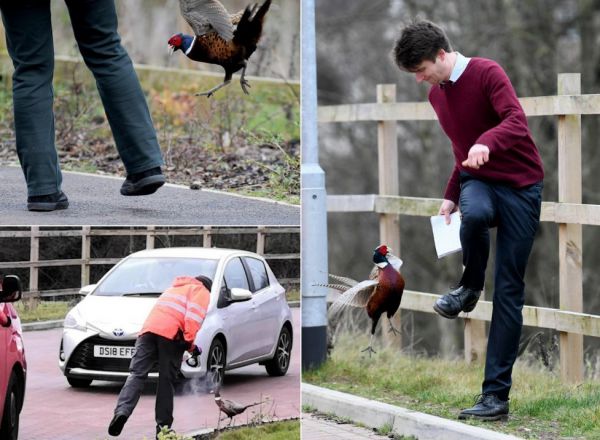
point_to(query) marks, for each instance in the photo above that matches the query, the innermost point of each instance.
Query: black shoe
(49, 202)
(458, 300)
(116, 424)
(487, 407)
(144, 183)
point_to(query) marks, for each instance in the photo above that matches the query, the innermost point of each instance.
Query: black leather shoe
(49, 202)
(144, 183)
(116, 424)
(458, 300)
(487, 407)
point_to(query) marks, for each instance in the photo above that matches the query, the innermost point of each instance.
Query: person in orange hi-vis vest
(168, 331)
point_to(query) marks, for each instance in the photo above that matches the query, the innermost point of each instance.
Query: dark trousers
(29, 41)
(150, 349)
(515, 213)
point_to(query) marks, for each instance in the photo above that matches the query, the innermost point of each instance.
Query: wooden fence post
(389, 224)
(475, 339)
(207, 237)
(260, 240)
(34, 270)
(86, 254)
(150, 237)
(570, 235)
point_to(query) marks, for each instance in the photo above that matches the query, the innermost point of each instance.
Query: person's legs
(478, 214)
(519, 213)
(146, 355)
(95, 27)
(169, 363)
(28, 30)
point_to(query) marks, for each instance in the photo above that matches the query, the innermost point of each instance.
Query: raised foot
(245, 84)
(369, 349)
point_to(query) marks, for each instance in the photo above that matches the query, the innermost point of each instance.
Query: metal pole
(314, 207)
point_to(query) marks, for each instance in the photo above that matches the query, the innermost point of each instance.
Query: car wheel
(9, 429)
(280, 363)
(79, 383)
(215, 365)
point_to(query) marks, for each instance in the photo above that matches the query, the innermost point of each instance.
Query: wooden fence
(35, 234)
(568, 212)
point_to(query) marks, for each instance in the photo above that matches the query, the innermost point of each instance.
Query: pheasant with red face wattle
(216, 41)
(380, 294)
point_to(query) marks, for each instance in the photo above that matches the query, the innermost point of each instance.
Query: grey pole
(314, 207)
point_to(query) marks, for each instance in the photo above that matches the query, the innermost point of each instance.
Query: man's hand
(447, 208)
(478, 155)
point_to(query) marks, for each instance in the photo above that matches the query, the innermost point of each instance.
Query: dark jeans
(516, 213)
(150, 349)
(29, 42)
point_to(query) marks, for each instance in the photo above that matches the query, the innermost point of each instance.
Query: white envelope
(446, 237)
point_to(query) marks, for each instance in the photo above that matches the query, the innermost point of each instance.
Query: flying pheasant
(216, 41)
(381, 293)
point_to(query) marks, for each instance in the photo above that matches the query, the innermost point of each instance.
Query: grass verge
(287, 430)
(541, 406)
(42, 311)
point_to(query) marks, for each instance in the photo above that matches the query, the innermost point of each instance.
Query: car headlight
(75, 320)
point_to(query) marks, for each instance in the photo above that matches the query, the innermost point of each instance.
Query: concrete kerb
(42, 325)
(403, 421)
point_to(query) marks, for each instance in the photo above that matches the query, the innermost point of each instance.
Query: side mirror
(238, 294)
(87, 289)
(11, 289)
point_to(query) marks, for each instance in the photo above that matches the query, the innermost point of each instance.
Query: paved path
(95, 200)
(55, 411)
(315, 428)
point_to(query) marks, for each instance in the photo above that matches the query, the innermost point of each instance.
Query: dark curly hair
(206, 281)
(419, 41)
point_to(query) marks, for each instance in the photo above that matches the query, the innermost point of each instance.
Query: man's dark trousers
(515, 213)
(150, 349)
(29, 41)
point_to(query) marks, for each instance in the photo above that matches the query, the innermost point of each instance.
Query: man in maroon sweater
(496, 181)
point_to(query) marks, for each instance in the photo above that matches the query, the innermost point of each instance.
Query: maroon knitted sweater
(481, 107)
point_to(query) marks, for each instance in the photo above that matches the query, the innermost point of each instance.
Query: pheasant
(215, 40)
(231, 408)
(380, 294)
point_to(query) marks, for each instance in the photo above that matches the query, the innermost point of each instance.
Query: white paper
(446, 237)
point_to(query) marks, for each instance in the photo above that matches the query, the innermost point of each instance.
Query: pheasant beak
(171, 49)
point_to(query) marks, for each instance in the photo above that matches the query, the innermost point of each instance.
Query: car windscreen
(152, 276)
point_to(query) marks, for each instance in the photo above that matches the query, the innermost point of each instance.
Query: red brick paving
(55, 411)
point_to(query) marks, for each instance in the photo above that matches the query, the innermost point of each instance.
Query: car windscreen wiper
(143, 294)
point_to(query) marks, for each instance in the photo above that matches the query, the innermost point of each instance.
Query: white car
(248, 318)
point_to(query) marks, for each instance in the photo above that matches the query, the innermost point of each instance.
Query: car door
(266, 302)
(238, 317)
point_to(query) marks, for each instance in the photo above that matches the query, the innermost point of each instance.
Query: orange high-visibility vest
(181, 307)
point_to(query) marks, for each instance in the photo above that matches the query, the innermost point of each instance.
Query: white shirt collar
(459, 66)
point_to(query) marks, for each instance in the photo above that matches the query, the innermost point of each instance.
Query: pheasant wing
(206, 15)
(394, 261)
(356, 296)
(346, 280)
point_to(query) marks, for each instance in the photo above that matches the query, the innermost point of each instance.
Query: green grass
(541, 406)
(288, 430)
(293, 295)
(43, 311)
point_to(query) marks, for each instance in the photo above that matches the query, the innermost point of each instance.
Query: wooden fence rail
(35, 234)
(568, 212)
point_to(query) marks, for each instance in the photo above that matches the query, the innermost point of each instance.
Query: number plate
(111, 351)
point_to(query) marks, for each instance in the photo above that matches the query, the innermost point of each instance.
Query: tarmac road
(95, 200)
(55, 411)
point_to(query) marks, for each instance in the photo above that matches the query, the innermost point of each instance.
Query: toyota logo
(118, 332)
